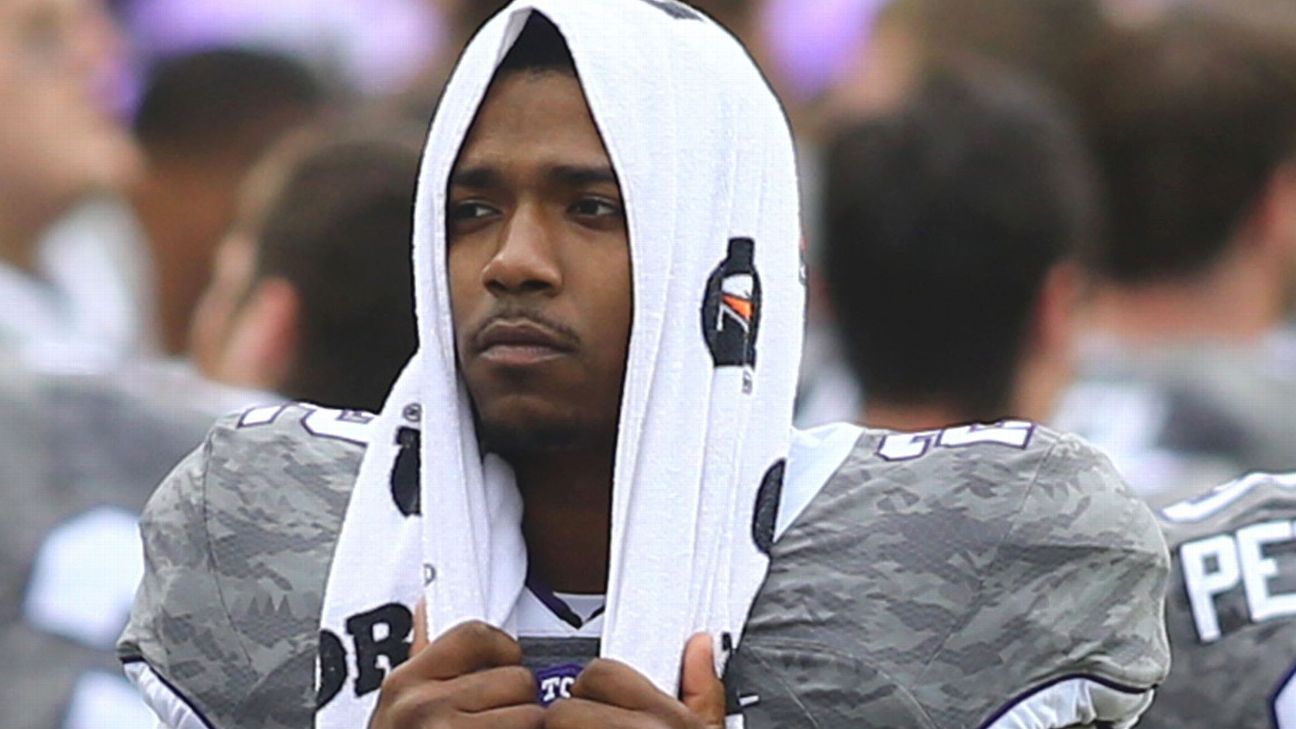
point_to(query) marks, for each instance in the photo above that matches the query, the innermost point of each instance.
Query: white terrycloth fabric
(704, 159)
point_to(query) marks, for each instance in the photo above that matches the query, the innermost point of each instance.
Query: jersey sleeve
(179, 635)
(1068, 627)
(977, 587)
(224, 632)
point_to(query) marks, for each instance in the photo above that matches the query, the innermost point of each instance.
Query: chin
(521, 431)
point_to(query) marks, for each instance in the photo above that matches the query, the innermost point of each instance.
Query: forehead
(533, 117)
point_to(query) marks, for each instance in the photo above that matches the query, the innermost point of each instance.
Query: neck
(567, 517)
(1239, 300)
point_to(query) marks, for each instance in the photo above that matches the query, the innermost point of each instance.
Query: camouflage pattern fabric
(1231, 611)
(237, 545)
(936, 588)
(921, 592)
(78, 459)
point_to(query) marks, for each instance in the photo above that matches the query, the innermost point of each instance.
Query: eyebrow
(486, 176)
(578, 175)
(475, 177)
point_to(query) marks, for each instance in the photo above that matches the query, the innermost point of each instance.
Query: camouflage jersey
(984, 576)
(1231, 610)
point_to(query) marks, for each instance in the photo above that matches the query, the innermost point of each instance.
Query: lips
(521, 342)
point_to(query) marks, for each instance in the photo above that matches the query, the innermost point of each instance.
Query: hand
(611, 695)
(470, 678)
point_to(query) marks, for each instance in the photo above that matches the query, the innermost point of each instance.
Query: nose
(526, 260)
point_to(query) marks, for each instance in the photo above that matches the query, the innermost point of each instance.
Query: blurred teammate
(567, 219)
(77, 457)
(1188, 375)
(326, 285)
(59, 143)
(955, 230)
(204, 121)
(1231, 611)
(312, 295)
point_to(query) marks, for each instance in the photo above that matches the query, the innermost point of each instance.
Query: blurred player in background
(313, 300)
(956, 226)
(1231, 610)
(59, 143)
(313, 290)
(1188, 375)
(203, 122)
(76, 456)
(1047, 40)
(1044, 41)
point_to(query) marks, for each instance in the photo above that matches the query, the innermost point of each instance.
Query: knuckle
(510, 649)
(393, 684)
(477, 630)
(597, 673)
(600, 669)
(424, 705)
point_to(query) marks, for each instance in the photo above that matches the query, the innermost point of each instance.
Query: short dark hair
(539, 48)
(224, 102)
(1188, 119)
(339, 229)
(943, 219)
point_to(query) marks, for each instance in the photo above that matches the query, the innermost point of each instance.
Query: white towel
(707, 173)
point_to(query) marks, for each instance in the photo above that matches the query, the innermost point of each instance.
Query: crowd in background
(1079, 212)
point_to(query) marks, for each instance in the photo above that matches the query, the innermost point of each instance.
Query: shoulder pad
(238, 542)
(946, 574)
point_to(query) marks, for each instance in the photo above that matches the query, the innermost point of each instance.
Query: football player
(956, 231)
(204, 121)
(1186, 375)
(996, 576)
(1231, 611)
(312, 297)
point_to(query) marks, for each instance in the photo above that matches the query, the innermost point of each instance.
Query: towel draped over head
(705, 162)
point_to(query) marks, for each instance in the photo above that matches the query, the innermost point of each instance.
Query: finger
(510, 717)
(582, 713)
(487, 690)
(420, 628)
(616, 684)
(465, 648)
(700, 689)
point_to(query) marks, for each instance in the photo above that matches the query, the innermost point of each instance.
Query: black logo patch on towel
(767, 507)
(405, 472)
(731, 310)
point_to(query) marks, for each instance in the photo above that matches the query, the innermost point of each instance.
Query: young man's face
(539, 265)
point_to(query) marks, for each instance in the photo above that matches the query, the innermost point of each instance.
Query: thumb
(420, 628)
(700, 689)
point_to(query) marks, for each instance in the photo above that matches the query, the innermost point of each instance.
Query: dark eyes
(468, 211)
(591, 207)
(595, 207)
